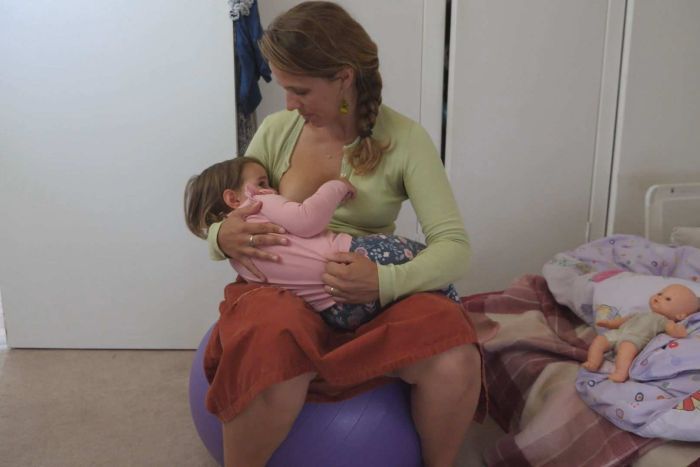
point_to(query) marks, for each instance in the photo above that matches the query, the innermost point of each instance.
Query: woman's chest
(311, 164)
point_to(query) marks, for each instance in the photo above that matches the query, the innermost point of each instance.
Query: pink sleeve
(308, 218)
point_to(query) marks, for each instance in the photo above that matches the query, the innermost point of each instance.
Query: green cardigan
(410, 169)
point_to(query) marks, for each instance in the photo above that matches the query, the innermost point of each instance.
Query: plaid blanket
(531, 365)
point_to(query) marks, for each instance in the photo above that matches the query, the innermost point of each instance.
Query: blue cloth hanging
(250, 63)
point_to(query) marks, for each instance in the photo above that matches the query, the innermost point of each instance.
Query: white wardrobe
(524, 103)
(561, 114)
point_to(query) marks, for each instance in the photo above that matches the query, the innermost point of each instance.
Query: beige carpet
(90, 408)
(77, 408)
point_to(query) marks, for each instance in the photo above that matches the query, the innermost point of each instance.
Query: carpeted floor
(89, 408)
(74, 408)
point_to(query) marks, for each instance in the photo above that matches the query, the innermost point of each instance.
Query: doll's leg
(626, 351)
(598, 347)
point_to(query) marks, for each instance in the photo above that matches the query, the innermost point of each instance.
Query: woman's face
(316, 99)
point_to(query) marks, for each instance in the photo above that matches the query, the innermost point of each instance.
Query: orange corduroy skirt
(266, 335)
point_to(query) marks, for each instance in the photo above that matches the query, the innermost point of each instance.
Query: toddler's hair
(204, 201)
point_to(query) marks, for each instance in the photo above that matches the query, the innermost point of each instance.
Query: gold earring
(344, 109)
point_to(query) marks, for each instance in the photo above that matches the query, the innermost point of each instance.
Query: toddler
(228, 185)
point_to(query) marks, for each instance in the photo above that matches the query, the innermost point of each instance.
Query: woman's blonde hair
(204, 201)
(319, 39)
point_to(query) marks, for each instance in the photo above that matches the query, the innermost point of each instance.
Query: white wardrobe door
(410, 37)
(107, 109)
(658, 137)
(522, 113)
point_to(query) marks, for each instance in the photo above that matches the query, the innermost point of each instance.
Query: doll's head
(675, 302)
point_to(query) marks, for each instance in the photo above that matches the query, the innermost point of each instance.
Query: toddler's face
(675, 302)
(255, 176)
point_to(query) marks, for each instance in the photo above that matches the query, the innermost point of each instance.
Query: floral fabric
(382, 249)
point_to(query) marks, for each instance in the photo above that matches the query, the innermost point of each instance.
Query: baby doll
(631, 333)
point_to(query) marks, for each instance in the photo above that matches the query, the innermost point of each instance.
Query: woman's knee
(461, 363)
(289, 394)
(457, 362)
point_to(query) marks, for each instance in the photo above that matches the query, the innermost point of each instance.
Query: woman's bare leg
(251, 438)
(444, 397)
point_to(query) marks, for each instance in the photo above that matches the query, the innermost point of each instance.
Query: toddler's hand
(252, 190)
(352, 191)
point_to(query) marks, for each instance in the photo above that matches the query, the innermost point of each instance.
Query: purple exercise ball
(373, 429)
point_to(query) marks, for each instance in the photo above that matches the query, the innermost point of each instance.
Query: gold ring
(251, 240)
(331, 290)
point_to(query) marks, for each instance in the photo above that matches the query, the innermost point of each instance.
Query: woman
(269, 353)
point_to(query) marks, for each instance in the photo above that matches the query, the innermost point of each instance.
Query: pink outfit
(303, 261)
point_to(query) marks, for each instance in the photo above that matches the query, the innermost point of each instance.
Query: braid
(369, 98)
(369, 152)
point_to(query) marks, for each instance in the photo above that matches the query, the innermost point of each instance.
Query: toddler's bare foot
(618, 377)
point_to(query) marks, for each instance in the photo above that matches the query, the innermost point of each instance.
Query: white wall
(523, 109)
(107, 109)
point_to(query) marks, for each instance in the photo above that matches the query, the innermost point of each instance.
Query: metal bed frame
(670, 205)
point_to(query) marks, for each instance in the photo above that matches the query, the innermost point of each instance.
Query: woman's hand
(351, 278)
(239, 239)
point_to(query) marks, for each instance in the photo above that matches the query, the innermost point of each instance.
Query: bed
(533, 361)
